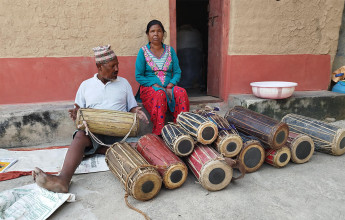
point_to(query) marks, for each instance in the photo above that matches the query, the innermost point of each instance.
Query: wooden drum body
(327, 138)
(208, 167)
(278, 158)
(301, 147)
(252, 154)
(154, 150)
(268, 130)
(228, 142)
(124, 162)
(178, 140)
(198, 126)
(108, 122)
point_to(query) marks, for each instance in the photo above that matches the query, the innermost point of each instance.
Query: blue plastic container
(339, 87)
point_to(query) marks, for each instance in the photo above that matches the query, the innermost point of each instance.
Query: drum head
(230, 145)
(281, 134)
(339, 148)
(146, 185)
(282, 158)
(215, 175)
(207, 133)
(184, 145)
(302, 149)
(175, 176)
(252, 156)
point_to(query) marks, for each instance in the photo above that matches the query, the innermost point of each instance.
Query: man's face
(108, 71)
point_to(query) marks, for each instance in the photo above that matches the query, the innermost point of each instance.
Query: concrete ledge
(35, 124)
(48, 124)
(315, 104)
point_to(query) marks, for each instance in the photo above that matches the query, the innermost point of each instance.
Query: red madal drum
(154, 150)
(209, 168)
(278, 158)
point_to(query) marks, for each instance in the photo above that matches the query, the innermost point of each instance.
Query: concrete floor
(314, 190)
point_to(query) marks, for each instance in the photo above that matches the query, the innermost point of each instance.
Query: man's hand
(73, 112)
(140, 113)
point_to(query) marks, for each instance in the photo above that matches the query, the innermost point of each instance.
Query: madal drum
(127, 164)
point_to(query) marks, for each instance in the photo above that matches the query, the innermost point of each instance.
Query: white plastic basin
(273, 89)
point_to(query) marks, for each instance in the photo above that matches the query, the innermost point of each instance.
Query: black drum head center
(283, 157)
(184, 146)
(303, 150)
(342, 143)
(207, 133)
(231, 147)
(176, 176)
(280, 137)
(252, 157)
(147, 187)
(216, 176)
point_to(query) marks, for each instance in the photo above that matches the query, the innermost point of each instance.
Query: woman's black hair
(154, 22)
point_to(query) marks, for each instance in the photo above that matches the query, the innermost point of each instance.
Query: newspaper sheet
(52, 160)
(31, 202)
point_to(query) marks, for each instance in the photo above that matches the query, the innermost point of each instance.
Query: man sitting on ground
(105, 90)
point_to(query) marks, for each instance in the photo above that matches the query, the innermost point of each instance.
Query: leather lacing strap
(87, 131)
(126, 187)
(236, 164)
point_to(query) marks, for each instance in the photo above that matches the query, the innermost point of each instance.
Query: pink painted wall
(46, 79)
(311, 72)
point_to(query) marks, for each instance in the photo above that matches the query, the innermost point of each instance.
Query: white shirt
(114, 95)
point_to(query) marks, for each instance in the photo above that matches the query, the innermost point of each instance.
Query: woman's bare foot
(49, 182)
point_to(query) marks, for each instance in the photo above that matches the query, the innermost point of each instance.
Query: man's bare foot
(49, 182)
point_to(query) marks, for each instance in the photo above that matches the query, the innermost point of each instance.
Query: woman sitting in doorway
(157, 71)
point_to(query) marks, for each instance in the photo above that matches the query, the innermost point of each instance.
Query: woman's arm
(140, 67)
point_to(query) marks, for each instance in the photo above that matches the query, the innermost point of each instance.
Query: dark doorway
(192, 44)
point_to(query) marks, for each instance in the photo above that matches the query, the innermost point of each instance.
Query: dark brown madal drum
(178, 140)
(209, 167)
(327, 138)
(268, 130)
(172, 169)
(198, 126)
(301, 147)
(126, 163)
(228, 142)
(252, 154)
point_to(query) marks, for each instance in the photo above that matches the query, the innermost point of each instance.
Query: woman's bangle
(170, 87)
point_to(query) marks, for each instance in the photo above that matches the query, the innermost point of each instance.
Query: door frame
(223, 50)
(217, 76)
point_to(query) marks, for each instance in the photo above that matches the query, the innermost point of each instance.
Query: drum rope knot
(127, 194)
